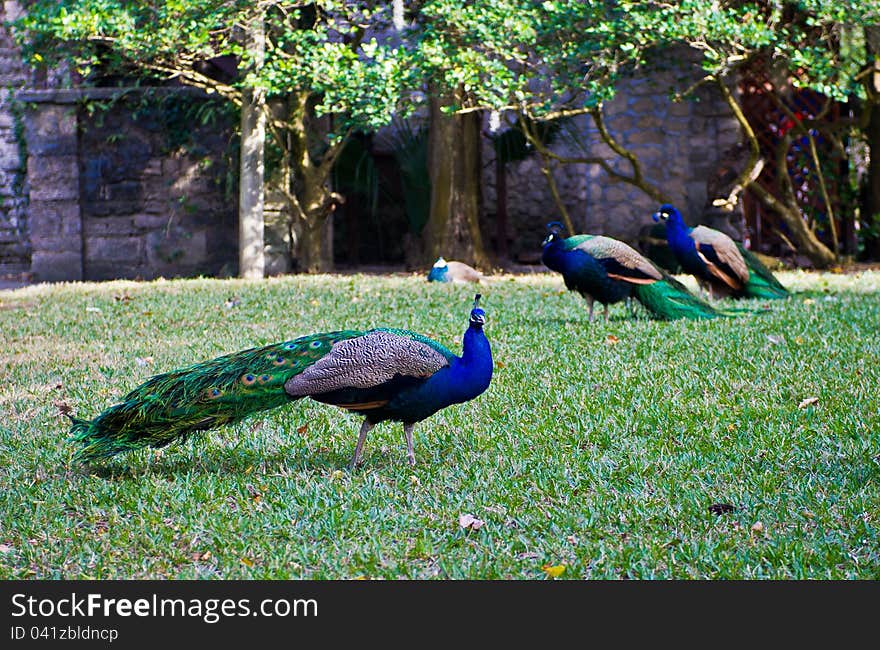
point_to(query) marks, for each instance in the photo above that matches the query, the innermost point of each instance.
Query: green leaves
(316, 46)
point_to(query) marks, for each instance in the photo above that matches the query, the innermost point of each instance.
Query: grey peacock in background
(609, 271)
(719, 263)
(382, 374)
(444, 271)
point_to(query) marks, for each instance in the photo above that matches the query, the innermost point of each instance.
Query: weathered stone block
(129, 250)
(648, 105)
(53, 178)
(126, 192)
(51, 130)
(177, 245)
(150, 221)
(648, 136)
(56, 266)
(98, 269)
(54, 219)
(108, 226)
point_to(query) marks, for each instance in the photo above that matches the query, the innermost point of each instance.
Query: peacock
(607, 270)
(444, 271)
(726, 267)
(382, 374)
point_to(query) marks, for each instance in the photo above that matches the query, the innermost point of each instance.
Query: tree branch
(749, 175)
(528, 130)
(638, 177)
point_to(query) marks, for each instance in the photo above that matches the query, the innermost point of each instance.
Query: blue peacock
(608, 270)
(726, 267)
(452, 271)
(382, 374)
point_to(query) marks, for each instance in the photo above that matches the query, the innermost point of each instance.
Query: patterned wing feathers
(721, 255)
(626, 257)
(367, 361)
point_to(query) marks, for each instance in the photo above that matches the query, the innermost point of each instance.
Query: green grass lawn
(626, 449)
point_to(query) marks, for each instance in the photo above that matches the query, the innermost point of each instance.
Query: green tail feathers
(168, 407)
(669, 299)
(762, 283)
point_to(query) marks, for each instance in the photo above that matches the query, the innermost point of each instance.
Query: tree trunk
(453, 228)
(803, 238)
(311, 198)
(313, 248)
(251, 256)
(871, 198)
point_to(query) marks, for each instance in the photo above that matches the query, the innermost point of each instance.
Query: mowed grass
(626, 449)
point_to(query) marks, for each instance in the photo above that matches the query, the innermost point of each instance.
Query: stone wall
(102, 195)
(14, 237)
(678, 143)
(110, 197)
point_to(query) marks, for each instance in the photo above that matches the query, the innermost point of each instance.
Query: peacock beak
(656, 217)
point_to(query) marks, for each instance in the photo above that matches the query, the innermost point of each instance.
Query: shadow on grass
(238, 461)
(584, 321)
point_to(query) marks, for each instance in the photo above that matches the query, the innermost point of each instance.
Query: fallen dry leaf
(611, 340)
(809, 301)
(553, 571)
(757, 528)
(5, 548)
(144, 361)
(775, 339)
(247, 561)
(301, 430)
(809, 401)
(63, 407)
(202, 556)
(467, 520)
(336, 475)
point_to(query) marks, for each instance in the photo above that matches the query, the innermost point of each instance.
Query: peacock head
(667, 214)
(555, 230)
(438, 271)
(478, 316)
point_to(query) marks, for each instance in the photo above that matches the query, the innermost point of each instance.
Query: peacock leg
(590, 302)
(365, 428)
(606, 313)
(408, 432)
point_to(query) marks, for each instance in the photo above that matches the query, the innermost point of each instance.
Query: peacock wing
(620, 260)
(461, 272)
(721, 255)
(370, 360)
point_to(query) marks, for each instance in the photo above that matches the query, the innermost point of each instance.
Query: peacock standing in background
(382, 374)
(717, 261)
(444, 271)
(607, 270)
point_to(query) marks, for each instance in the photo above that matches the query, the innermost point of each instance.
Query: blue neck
(470, 374)
(678, 235)
(553, 256)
